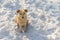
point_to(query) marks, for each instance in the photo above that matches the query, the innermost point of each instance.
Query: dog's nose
(22, 17)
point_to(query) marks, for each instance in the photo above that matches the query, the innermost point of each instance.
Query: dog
(21, 20)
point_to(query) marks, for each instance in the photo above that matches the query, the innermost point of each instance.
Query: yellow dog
(21, 20)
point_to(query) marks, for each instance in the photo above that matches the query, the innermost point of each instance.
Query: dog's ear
(18, 11)
(25, 10)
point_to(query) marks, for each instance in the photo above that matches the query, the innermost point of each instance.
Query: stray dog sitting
(21, 20)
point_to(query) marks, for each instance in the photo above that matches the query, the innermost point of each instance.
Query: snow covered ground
(43, 15)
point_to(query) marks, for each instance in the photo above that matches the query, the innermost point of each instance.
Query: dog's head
(22, 13)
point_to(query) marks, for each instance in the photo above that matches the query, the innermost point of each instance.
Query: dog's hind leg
(18, 26)
(26, 26)
(27, 23)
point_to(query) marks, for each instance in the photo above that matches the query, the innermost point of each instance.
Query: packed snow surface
(43, 16)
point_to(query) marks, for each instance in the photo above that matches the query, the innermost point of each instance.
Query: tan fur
(21, 20)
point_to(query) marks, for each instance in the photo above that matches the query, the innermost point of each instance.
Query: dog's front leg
(20, 28)
(25, 28)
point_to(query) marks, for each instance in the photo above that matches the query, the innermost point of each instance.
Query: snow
(43, 16)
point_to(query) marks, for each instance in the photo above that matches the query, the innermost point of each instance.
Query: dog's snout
(22, 17)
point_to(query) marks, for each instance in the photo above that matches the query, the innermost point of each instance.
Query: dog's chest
(22, 21)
